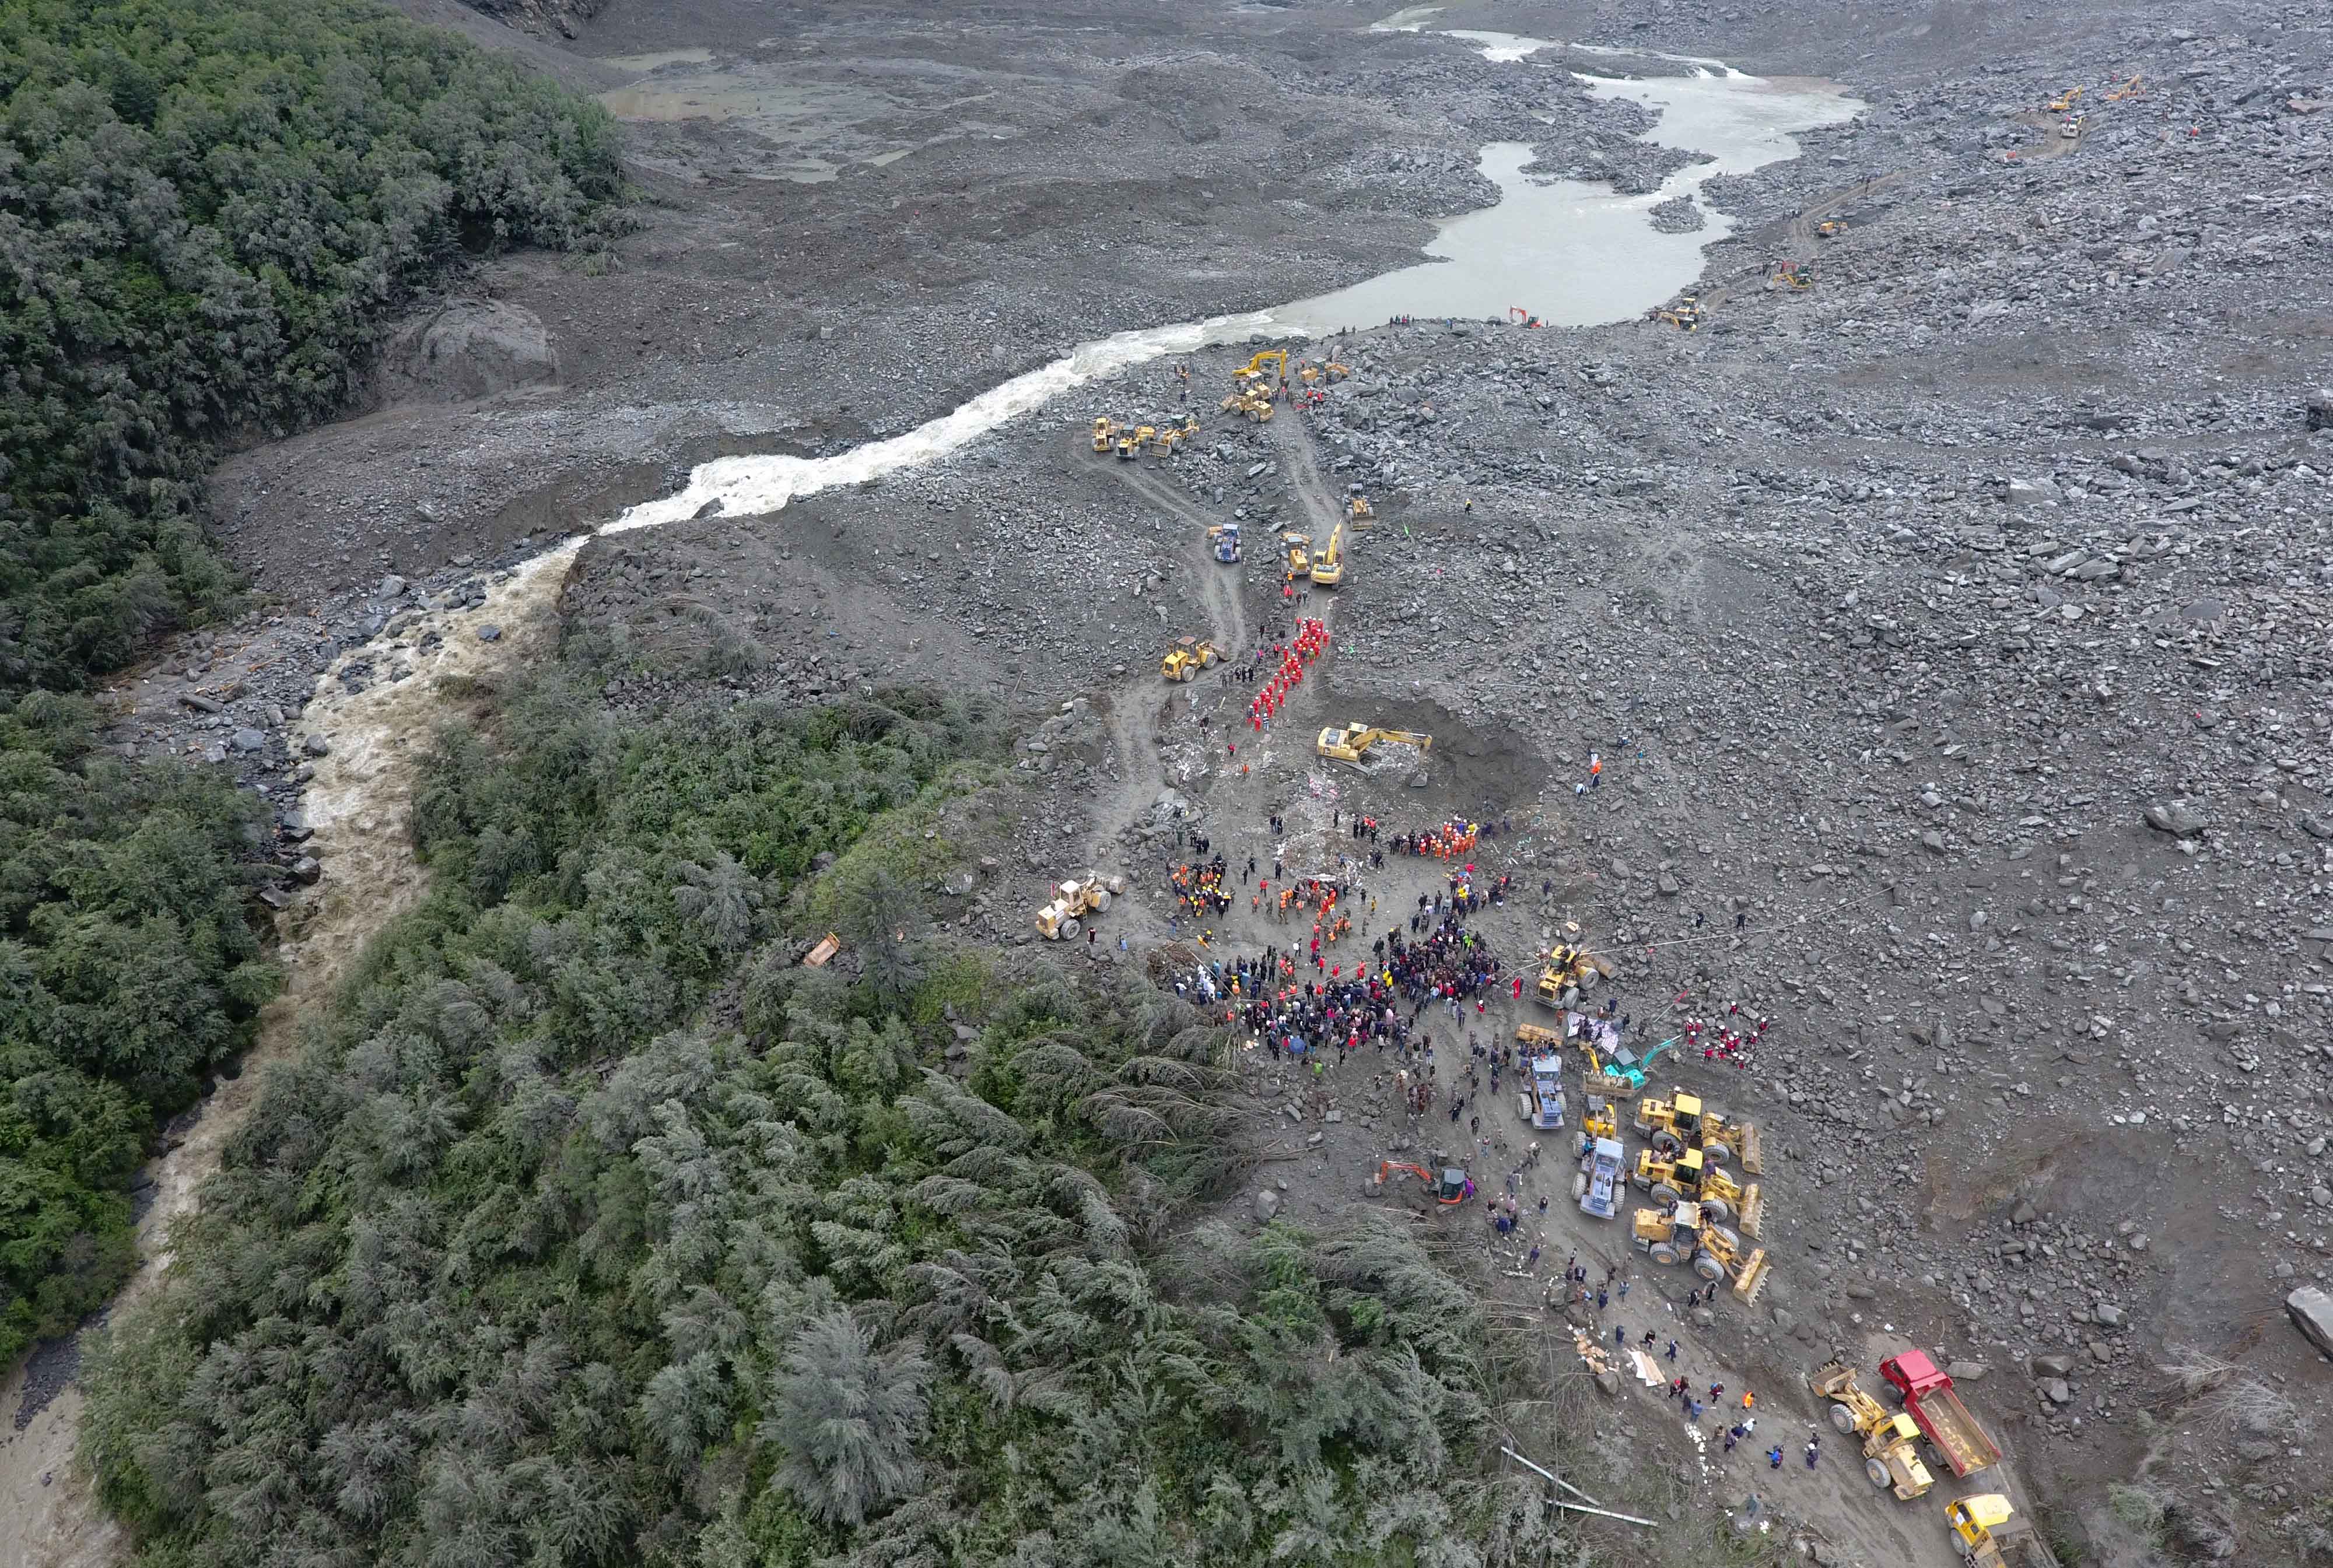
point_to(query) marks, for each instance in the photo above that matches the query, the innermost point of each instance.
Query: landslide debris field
(1955, 632)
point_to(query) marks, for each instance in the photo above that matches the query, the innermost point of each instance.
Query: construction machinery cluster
(1699, 1213)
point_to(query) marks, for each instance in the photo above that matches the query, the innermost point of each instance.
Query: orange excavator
(1517, 314)
(1449, 1189)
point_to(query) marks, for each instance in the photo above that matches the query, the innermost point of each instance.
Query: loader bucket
(1752, 1277)
(1753, 1158)
(1753, 1210)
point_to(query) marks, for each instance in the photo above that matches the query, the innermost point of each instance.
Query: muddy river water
(1570, 253)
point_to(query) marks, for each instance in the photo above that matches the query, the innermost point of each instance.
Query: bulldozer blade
(1753, 1210)
(1752, 1160)
(1751, 1279)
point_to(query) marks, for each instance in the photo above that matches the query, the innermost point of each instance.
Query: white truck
(1546, 1093)
(1599, 1179)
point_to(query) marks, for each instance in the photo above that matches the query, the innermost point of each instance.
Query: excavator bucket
(1751, 1279)
(1612, 1085)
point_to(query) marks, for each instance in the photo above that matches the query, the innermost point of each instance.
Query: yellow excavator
(2134, 88)
(1351, 742)
(1830, 229)
(1276, 358)
(1329, 566)
(2065, 101)
(1790, 275)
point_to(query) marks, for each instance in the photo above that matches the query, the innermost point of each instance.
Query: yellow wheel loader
(1186, 658)
(1891, 1440)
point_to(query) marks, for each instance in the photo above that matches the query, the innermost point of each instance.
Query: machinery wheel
(1717, 1208)
(1725, 1235)
(1663, 1193)
(1876, 1474)
(1579, 1184)
(1716, 1151)
(1099, 898)
(1663, 1252)
(1070, 929)
(1842, 1420)
(1705, 1265)
(1666, 1141)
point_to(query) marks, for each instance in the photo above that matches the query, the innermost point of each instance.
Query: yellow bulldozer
(1104, 433)
(1358, 509)
(1073, 901)
(1722, 1138)
(1329, 566)
(1684, 1234)
(1891, 1440)
(1186, 658)
(1299, 547)
(1567, 969)
(1681, 1122)
(1991, 1534)
(1255, 405)
(1667, 1178)
(1830, 229)
(1351, 742)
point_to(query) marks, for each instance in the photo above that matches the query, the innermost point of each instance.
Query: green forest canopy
(208, 210)
(590, 1228)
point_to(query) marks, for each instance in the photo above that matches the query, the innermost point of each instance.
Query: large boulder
(2312, 1310)
(468, 349)
(2175, 818)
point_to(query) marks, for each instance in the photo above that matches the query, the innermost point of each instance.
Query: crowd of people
(1309, 642)
(1729, 1040)
(1305, 1003)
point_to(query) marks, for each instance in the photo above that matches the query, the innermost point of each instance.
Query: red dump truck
(1939, 1414)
